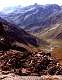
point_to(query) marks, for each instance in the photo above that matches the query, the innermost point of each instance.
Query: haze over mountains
(32, 13)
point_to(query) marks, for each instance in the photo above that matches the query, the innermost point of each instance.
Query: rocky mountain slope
(11, 35)
(54, 32)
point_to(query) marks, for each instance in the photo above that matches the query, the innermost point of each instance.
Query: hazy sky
(7, 3)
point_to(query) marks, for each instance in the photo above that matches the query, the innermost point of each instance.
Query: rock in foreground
(34, 64)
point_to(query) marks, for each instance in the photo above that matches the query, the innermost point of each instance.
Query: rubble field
(29, 64)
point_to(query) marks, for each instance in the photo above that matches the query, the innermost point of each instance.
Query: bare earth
(16, 77)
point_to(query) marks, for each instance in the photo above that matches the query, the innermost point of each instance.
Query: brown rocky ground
(29, 64)
(16, 77)
(57, 53)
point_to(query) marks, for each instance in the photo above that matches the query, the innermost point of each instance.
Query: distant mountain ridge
(33, 17)
(38, 18)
